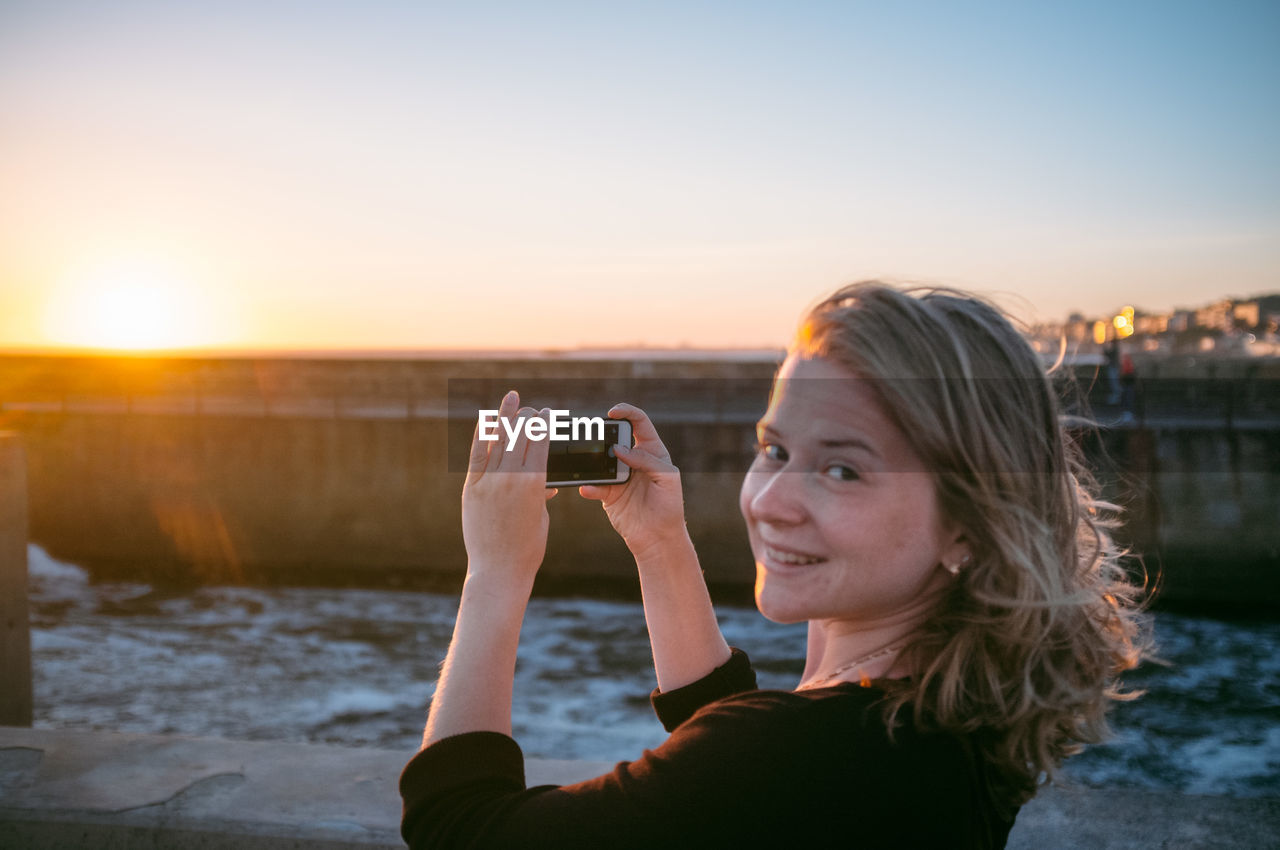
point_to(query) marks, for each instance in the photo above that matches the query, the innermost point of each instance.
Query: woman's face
(843, 516)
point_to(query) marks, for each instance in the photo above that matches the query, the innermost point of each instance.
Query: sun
(133, 306)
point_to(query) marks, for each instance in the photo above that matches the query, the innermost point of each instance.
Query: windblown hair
(1024, 652)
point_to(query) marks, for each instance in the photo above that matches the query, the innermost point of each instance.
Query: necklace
(857, 662)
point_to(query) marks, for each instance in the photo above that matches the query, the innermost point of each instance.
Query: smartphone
(576, 462)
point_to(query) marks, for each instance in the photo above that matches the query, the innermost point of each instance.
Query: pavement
(84, 789)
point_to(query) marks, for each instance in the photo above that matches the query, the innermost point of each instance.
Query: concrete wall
(1202, 505)
(352, 501)
(72, 789)
(16, 702)
(340, 472)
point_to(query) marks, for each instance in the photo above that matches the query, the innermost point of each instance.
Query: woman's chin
(774, 609)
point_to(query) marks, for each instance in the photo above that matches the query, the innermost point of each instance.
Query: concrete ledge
(73, 789)
(95, 789)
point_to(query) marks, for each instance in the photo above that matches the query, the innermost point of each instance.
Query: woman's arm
(504, 527)
(686, 639)
(473, 693)
(648, 511)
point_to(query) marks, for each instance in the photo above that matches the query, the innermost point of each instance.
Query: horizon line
(383, 353)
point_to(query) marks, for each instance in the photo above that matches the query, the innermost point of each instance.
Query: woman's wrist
(498, 587)
(665, 551)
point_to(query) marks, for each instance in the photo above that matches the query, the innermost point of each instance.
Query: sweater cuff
(460, 759)
(732, 677)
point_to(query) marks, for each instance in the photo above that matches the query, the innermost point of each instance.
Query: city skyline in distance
(1265, 306)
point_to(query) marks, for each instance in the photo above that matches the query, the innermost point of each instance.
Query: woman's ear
(956, 555)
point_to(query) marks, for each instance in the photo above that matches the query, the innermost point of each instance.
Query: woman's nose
(777, 497)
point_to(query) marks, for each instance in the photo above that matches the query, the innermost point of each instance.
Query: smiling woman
(967, 614)
(131, 306)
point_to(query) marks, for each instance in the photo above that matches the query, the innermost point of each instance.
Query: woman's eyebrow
(764, 429)
(847, 443)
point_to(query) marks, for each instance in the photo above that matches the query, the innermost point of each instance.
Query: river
(357, 667)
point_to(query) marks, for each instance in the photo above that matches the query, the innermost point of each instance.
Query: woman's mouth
(794, 559)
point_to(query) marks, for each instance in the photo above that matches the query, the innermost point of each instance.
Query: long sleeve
(735, 676)
(815, 767)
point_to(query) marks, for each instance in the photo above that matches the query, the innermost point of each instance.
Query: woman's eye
(773, 452)
(841, 472)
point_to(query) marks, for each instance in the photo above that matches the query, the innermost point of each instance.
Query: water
(356, 668)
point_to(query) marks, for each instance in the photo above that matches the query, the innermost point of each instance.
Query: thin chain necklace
(857, 662)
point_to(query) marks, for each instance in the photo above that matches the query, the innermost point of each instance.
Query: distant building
(1246, 313)
(1077, 328)
(1216, 316)
(1144, 323)
(1226, 327)
(1181, 320)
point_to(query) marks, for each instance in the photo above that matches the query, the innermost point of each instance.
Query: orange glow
(1099, 332)
(131, 306)
(1124, 323)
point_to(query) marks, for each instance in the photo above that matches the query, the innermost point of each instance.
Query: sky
(331, 175)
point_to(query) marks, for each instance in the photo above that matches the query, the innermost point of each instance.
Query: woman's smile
(788, 557)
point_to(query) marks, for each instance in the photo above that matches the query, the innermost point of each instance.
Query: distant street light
(1100, 332)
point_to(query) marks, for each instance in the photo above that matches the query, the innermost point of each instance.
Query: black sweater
(742, 768)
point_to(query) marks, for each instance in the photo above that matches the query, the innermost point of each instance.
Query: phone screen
(583, 461)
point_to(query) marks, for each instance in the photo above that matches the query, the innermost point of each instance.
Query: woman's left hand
(504, 513)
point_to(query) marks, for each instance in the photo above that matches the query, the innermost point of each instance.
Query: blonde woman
(916, 501)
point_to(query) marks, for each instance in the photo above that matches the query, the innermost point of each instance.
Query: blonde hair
(1024, 653)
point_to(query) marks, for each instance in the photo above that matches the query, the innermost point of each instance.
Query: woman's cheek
(750, 485)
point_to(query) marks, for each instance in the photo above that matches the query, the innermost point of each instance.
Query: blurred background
(250, 255)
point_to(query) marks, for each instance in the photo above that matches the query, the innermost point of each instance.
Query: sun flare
(133, 306)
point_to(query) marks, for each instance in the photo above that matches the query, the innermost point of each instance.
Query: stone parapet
(80, 789)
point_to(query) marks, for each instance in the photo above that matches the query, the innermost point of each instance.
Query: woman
(915, 500)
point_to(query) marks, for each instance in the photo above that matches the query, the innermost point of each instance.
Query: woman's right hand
(648, 510)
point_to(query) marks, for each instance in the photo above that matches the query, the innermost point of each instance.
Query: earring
(954, 569)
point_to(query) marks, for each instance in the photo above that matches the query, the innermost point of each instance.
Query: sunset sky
(331, 175)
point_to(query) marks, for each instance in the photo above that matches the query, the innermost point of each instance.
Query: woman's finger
(595, 492)
(482, 450)
(536, 451)
(508, 453)
(643, 461)
(526, 454)
(479, 454)
(641, 427)
(513, 449)
(640, 422)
